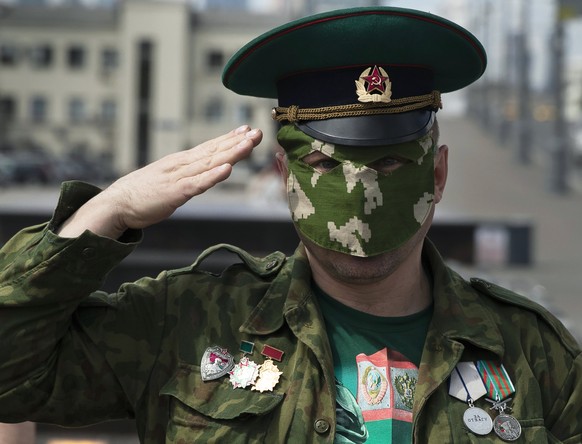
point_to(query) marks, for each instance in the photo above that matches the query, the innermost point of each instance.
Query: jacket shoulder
(506, 296)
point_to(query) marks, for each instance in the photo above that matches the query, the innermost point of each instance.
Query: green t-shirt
(376, 363)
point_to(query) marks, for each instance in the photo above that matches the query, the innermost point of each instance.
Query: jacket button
(321, 426)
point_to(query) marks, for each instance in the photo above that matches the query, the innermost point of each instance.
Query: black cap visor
(374, 130)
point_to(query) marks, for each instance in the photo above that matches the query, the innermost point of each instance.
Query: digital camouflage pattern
(74, 356)
(353, 208)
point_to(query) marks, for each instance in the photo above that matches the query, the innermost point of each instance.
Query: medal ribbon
(496, 380)
(465, 382)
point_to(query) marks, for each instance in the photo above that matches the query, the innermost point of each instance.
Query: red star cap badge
(375, 81)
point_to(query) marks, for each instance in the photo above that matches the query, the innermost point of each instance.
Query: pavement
(487, 182)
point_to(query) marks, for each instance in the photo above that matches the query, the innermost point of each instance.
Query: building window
(38, 109)
(7, 109)
(244, 114)
(76, 110)
(214, 60)
(108, 111)
(214, 110)
(41, 56)
(109, 59)
(8, 54)
(76, 57)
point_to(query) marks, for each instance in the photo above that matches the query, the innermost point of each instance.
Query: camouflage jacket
(72, 355)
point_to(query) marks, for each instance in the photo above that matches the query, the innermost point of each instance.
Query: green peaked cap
(315, 62)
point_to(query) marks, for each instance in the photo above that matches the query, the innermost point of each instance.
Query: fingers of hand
(215, 153)
(197, 174)
(241, 138)
(167, 183)
(195, 185)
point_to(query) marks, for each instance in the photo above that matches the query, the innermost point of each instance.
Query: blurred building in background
(95, 88)
(91, 89)
(530, 98)
(125, 85)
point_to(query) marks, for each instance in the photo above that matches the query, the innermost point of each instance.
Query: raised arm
(152, 193)
(71, 354)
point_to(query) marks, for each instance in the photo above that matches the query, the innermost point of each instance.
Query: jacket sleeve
(61, 359)
(564, 421)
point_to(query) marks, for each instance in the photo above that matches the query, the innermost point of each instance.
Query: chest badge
(244, 373)
(505, 426)
(499, 387)
(374, 86)
(466, 385)
(269, 375)
(216, 363)
(471, 381)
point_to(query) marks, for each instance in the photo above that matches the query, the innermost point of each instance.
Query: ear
(441, 168)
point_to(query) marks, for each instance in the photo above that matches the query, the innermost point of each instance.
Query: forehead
(409, 150)
(297, 144)
(346, 150)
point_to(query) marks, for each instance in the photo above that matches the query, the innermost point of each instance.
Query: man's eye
(323, 165)
(387, 165)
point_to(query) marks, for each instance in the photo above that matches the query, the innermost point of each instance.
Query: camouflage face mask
(352, 208)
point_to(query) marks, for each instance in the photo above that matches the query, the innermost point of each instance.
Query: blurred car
(6, 170)
(39, 167)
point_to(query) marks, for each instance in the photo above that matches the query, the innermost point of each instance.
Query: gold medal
(269, 376)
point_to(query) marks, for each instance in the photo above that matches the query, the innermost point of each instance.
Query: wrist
(99, 215)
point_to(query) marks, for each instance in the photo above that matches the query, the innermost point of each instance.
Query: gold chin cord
(295, 114)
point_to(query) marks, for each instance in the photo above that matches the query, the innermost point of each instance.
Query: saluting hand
(152, 193)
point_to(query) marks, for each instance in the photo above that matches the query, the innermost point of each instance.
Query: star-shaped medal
(244, 373)
(269, 375)
(376, 81)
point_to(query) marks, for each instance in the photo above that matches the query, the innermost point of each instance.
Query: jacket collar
(289, 296)
(291, 299)
(459, 310)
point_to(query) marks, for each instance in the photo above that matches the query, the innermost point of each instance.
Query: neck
(403, 291)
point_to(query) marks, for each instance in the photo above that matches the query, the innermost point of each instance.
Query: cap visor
(376, 130)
